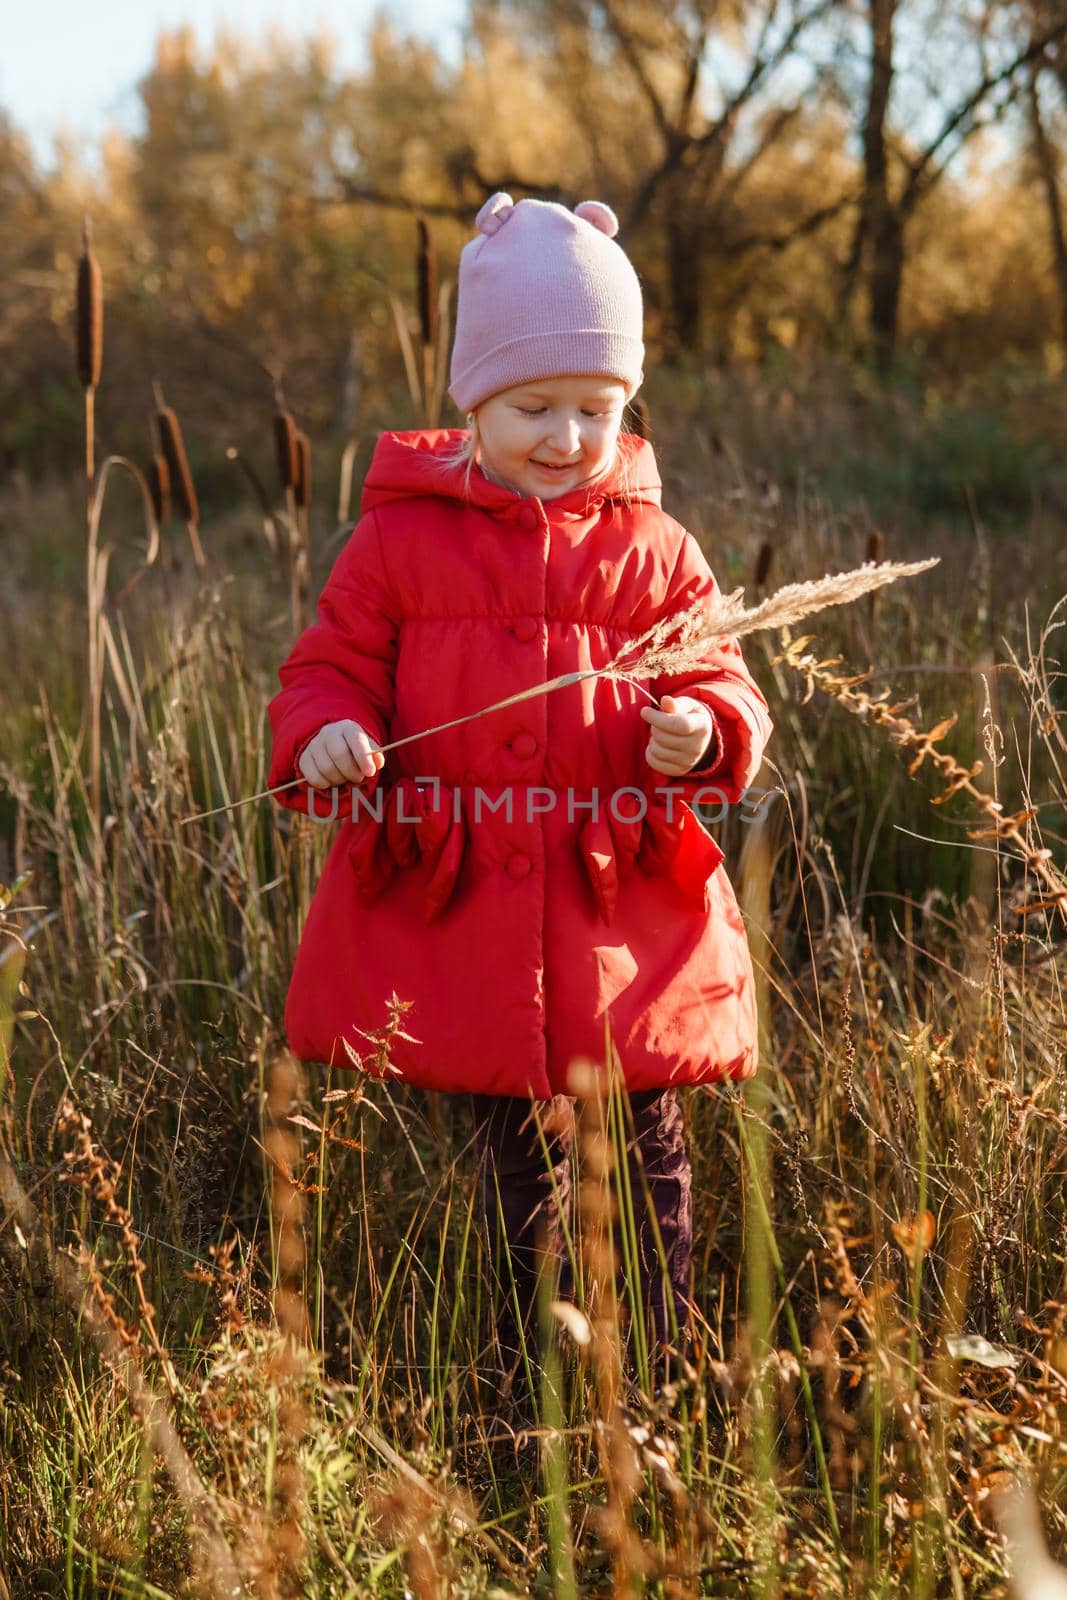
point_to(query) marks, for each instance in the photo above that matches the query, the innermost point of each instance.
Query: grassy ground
(177, 1201)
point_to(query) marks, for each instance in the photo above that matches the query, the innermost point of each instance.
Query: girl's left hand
(680, 729)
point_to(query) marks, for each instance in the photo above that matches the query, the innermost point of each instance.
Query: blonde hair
(465, 453)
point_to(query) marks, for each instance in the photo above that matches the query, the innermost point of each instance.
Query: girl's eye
(525, 413)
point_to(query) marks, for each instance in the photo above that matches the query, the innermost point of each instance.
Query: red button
(523, 745)
(528, 517)
(519, 867)
(525, 628)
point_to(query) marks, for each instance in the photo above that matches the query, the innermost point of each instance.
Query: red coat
(516, 938)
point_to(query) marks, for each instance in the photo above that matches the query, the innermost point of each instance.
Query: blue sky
(76, 64)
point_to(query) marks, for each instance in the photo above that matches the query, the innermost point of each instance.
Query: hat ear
(495, 212)
(599, 214)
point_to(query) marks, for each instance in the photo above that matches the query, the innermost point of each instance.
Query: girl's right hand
(341, 752)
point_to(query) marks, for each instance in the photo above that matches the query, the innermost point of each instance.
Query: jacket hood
(411, 463)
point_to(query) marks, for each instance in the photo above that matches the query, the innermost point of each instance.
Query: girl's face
(550, 435)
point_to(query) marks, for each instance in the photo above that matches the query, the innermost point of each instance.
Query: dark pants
(511, 1157)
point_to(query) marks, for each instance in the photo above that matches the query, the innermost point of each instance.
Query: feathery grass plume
(639, 418)
(903, 733)
(303, 471)
(703, 626)
(181, 479)
(698, 629)
(89, 332)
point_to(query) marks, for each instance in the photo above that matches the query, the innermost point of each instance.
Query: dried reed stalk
(303, 471)
(659, 652)
(99, 644)
(270, 525)
(344, 489)
(286, 1545)
(444, 295)
(287, 450)
(591, 1083)
(302, 558)
(426, 374)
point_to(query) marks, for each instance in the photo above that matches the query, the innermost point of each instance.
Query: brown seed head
(158, 476)
(764, 562)
(181, 479)
(427, 276)
(285, 448)
(875, 546)
(90, 316)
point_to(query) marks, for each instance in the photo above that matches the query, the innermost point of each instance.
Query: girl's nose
(566, 437)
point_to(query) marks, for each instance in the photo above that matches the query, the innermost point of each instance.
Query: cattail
(90, 314)
(158, 475)
(716, 443)
(427, 279)
(639, 413)
(179, 475)
(764, 562)
(285, 448)
(302, 483)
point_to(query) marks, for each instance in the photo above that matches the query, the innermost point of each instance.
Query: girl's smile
(552, 434)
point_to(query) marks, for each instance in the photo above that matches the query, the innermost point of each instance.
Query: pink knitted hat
(544, 293)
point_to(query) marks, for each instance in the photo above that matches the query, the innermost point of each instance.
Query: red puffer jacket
(526, 876)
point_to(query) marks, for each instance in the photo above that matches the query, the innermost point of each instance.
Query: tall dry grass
(249, 1339)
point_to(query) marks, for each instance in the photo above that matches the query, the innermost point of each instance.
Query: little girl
(528, 876)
